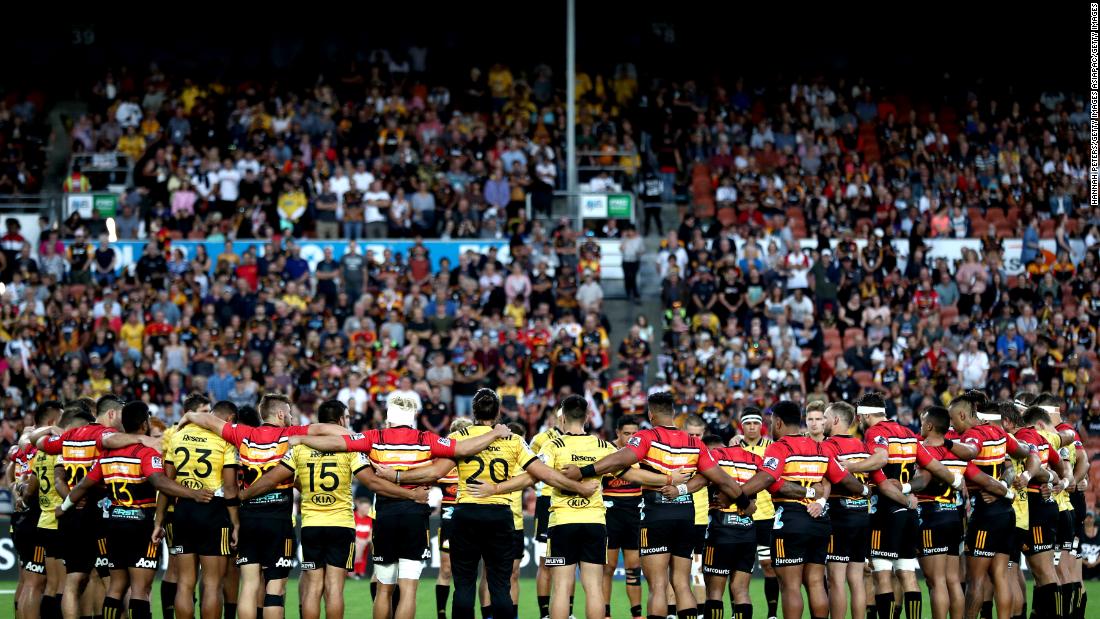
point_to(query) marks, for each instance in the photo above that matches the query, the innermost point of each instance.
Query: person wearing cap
(133, 476)
(401, 525)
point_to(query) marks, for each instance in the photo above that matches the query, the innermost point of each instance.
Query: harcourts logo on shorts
(284, 562)
(654, 551)
(148, 564)
(778, 561)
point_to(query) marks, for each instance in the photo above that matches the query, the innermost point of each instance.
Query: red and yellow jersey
(801, 460)
(1047, 454)
(901, 446)
(993, 445)
(937, 491)
(401, 448)
(125, 472)
(850, 450)
(739, 463)
(448, 484)
(619, 493)
(665, 450)
(79, 448)
(259, 450)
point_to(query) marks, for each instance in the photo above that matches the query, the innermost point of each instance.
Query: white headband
(870, 410)
(756, 418)
(989, 416)
(1053, 410)
(400, 411)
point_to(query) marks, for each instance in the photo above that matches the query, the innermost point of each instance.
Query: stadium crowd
(751, 320)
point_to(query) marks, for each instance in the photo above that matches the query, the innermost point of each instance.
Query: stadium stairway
(61, 118)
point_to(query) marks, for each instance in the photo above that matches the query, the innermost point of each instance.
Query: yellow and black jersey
(199, 455)
(1067, 453)
(537, 443)
(165, 441)
(578, 450)
(48, 497)
(325, 481)
(764, 508)
(503, 459)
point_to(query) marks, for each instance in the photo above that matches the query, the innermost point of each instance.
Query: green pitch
(358, 600)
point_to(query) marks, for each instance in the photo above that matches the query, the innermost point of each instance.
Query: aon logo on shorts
(284, 562)
(34, 567)
(102, 562)
(148, 564)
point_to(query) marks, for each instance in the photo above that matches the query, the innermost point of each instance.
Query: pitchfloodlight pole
(571, 107)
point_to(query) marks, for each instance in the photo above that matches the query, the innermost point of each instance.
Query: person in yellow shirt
(578, 529)
(44, 571)
(695, 426)
(131, 144)
(98, 383)
(542, 517)
(328, 518)
(205, 534)
(292, 298)
(755, 441)
(133, 333)
(483, 525)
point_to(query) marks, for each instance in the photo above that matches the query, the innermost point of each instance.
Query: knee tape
(386, 573)
(905, 565)
(881, 565)
(633, 576)
(1057, 558)
(408, 569)
(273, 600)
(764, 553)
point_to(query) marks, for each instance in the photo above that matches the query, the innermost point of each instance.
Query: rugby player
(401, 525)
(328, 523)
(79, 447)
(266, 519)
(204, 534)
(542, 517)
(667, 536)
(989, 537)
(755, 441)
(448, 486)
(577, 531)
(42, 570)
(623, 499)
(132, 476)
(483, 526)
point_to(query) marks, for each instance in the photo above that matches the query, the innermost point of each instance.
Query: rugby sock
(687, 613)
(515, 611)
(671, 611)
(1075, 599)
(544, 605)
(49, 610)
(139, 609)
(914, 604)
(167, 599)
(486, 612)
(1068, 603)
(745, 612)
(1023, 613)
(771, 594)
(636, 612)
(884, 603)
(441, 594)
(872, 611)
(897, 610)
(259, 612)
(1081, 604)
(607, 611)
(1045, 600)
(715, 609)
(373, 589)
(112, 608)
(229, 610)
(570, 606)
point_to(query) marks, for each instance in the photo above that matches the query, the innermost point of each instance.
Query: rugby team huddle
(838, 500)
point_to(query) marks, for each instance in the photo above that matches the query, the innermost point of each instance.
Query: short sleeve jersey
(325, 480)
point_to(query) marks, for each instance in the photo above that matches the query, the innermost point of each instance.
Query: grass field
(357, 596)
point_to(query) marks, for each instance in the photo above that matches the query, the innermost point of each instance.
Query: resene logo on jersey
(577, 458)
(188, 438)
